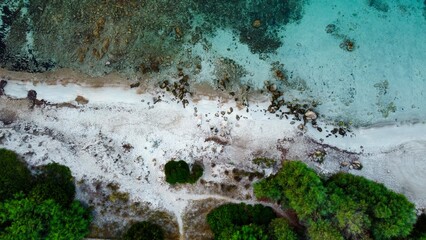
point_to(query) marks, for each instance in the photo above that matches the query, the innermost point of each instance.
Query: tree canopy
(385, 213)
(25, 218)
(280, 229)
(14, 175)
(54, 182)
(296, 185)
(144, 231)
(41, 206)
(248, 222)
(344, 206)
(246, 232)
(236, 215)
(178, 172)
(323, 229)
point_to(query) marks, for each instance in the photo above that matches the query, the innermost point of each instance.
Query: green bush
(391, 214)
(196, 172)
(297, 185)
(48, 211)
(323, 229)
(279, 229)
(352, 206)
(264, 162)
(144, 231)
(178, 172)
(231, 216)
(54, 182)
(14, 175)
(268, 188)
(260, 214)
(349, 216)
(25, 218)
(246, 232)
(226, 216)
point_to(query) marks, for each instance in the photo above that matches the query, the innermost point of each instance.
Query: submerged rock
(257, 23)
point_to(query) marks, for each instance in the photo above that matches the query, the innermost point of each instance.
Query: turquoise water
(383, 79)
(362, 61)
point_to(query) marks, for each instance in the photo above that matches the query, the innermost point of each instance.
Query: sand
(90, 139)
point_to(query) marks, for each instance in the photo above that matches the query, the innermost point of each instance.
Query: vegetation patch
(144, 231)
(54, 181)
(239, 174)
(178, 172)
(14, 175)
(242, 221)
(264, 162)
(195, 218)
(43, 210)
(344, 206)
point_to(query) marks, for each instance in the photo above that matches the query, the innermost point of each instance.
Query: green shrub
(178, 172)
(344, 206)
(229, 217)
(323, 229)
(54, 182)
(48, 212)
(264, 162)
(260, 214)
(349, 217)
(14, 175)
(144, 231)
(226, 216)
(268, 188)
(390, 213)
(297, 185)
(25, 218)
(196, 172)
(246, 232)
(280, 229)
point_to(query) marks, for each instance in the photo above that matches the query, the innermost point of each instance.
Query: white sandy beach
(89, 139)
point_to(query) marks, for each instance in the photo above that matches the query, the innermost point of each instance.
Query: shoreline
(81, 82)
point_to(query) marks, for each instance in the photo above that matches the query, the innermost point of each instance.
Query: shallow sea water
(363, 61)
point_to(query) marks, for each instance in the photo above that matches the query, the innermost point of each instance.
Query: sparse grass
(264, 162)
(119, 196)
(239, 174)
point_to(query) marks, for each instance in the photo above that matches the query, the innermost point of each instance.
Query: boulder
(356, 165)
(32, 95)
(81, 100)
(310, 115)
(2, 85)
